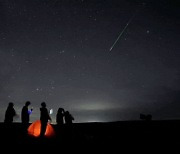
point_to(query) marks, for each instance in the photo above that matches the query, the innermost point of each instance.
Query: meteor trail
(121, 33)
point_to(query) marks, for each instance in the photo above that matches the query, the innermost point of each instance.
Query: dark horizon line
(111, 122)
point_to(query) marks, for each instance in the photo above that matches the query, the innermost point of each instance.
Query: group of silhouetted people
(62, 116)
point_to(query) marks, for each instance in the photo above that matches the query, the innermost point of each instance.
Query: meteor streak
(121, 33)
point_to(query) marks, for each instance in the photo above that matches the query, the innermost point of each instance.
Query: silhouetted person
(25, 113)
(68, 125)
(9, 127)
(68, 118)
(10, 113)
(60, 116)
(44, 118)
(60, 123)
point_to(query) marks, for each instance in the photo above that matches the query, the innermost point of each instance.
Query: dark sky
(58, 51)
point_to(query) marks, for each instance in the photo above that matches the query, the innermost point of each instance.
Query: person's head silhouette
(60, 110)
(27, 103)
(43, 104)
(11, 104)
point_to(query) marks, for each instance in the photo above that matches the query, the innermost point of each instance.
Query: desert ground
(107, 137)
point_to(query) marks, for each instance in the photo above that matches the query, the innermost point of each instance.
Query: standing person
(60, 116)
(60, 123)
(44, 118)
(25, 113)
(68, 118)
(68, 125)
(10, 113)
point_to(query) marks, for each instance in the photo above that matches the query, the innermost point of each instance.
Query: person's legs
(43, 128)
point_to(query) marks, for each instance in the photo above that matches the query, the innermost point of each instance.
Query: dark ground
(113, 137)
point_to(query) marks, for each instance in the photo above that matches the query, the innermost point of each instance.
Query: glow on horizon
(94, 106)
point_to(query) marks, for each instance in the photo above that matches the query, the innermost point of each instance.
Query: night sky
(58, 51)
